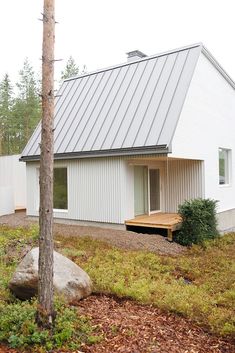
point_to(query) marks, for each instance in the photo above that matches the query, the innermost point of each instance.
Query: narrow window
(154, 189)
(224, 166)
(60, 189)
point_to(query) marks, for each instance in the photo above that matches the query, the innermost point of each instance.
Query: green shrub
(199, 221)
(19, 330)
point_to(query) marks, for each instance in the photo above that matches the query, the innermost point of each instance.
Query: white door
(154, 190)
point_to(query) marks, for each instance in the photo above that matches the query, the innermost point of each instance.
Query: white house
(140, 138)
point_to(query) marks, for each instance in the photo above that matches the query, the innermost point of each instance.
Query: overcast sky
(98, 33)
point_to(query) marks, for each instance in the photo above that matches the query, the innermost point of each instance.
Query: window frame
(61, 210)
(227, 167)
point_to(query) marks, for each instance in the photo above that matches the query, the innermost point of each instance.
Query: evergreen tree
(27, 106)
(6, 100)
(71, 69)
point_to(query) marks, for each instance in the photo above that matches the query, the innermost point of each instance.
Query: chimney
(135, 55)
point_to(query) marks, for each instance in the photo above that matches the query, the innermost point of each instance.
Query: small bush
(199, 221)
(19, 330)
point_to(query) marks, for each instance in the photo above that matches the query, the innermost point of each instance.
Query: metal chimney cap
(136, 53)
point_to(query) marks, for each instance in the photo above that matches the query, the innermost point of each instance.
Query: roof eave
(104, 153)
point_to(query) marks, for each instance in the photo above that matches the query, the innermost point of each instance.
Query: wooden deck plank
(169, 221)
(20, 208)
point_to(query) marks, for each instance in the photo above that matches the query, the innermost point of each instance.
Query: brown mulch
(116, 237)
(128, 327)
(4, 349)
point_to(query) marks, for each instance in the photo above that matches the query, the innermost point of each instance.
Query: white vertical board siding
(6, 171)
(97, 189)
(13, 176)
(32, 189)
(127, 191)
(19, 182)
(6, 200)
(100, 190)
(183, 181)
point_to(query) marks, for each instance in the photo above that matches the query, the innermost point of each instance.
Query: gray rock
(70, 280)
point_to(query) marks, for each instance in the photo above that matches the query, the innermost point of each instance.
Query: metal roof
(133, 107)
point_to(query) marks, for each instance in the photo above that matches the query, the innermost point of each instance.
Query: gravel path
(119, 238)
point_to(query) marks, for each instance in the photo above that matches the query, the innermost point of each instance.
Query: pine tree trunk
(45, 312)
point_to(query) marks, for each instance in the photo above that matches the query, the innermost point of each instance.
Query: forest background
(20, 105)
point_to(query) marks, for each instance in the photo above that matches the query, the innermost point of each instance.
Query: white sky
(98, 33)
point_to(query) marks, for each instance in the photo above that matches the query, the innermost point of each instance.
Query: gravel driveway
(116, 237)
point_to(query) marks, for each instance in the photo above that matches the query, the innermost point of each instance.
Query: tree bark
(45, 311)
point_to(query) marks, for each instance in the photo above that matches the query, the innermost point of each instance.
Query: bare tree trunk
(45, 312)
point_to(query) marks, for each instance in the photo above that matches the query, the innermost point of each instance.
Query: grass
(200, 284)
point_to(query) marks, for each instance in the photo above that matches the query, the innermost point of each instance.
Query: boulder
(70, 280)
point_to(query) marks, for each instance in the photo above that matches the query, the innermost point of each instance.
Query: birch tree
(45, 313)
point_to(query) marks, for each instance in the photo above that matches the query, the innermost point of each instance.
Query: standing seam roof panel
(99, 119)
(105, 131)
(88, 112)
(36, 136)
(61, 106)
(136, 104)
(133, 104)
(155, 103)
(103, 122)
(169, 91)
(72, 111)
(60, 124)
(89, 128)
(79, 113)
(137, 115)
(179, 97)
(174, 87)
(100, 99)
(120, 114)
(160, 64)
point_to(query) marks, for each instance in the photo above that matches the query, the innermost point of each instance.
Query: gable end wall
(207, 122)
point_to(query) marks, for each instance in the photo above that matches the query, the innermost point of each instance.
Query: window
(224, 155)
(154, 189)
(60, 200)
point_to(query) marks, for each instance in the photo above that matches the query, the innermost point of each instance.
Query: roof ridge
(172, 51)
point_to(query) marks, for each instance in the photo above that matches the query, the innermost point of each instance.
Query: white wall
(102, 189)
(207, 122)
(13, 179)
(185, 182)
(98, 189)
(6, 200)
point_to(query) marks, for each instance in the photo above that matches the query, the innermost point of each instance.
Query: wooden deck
(169, 221)
(20, 208)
